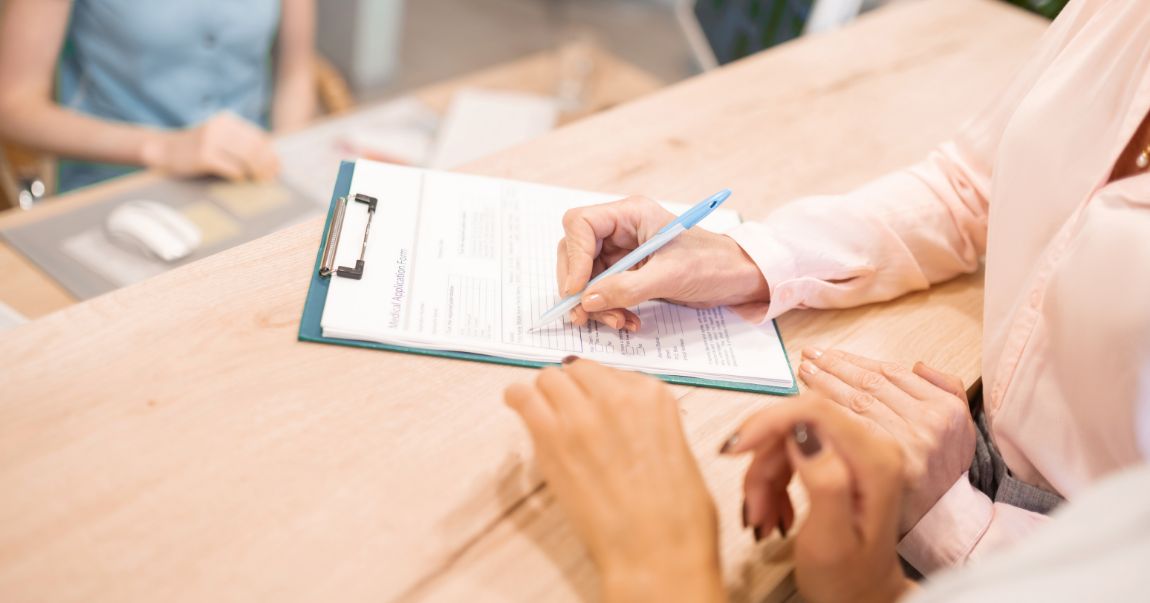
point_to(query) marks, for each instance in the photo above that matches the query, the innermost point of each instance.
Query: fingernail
(567, 287)
(814, 353)
(729, 445)
(611, 321)
(806, 439)
(758, 533)
(745, 522)
(594, 303)
(782, 528)
(807, 368)
(570, 359)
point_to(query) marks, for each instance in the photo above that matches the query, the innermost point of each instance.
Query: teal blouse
(165, 64)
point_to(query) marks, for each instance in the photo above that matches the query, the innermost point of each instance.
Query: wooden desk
(610, 82)
(173, 441)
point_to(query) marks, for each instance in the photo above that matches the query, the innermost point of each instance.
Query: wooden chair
(21, 168)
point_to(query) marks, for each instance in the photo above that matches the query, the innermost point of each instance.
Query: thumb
(941, 380)
(831, 525)
(622, 290)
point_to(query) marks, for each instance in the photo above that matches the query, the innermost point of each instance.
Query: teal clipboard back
(310, 329)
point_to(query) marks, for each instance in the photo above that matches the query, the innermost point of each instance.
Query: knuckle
(573, 216)
(860, 401)
(870, 381)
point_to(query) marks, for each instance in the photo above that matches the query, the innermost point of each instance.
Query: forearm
(47, 127)
(895, 235)
(295, 98)
(294, 105)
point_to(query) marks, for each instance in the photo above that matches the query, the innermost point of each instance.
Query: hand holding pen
(698, 268)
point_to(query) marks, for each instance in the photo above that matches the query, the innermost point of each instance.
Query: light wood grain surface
(173, 441)
(610, 82)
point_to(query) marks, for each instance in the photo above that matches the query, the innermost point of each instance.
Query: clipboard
(310, 329)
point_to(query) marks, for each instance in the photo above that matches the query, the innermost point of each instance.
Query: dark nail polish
(758, 533)
(745, 522)
(782, 528)
(730, 443)
(570, 359)
(806, 439)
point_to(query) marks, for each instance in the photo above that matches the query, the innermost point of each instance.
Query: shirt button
(210, 40)
(207, 100)
(1035, 298)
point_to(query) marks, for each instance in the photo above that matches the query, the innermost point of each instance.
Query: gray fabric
(989, 473)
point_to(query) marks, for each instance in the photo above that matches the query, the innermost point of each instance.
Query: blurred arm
(295, 97)
(31, 35)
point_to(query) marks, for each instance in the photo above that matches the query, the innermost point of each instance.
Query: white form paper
(466, 263)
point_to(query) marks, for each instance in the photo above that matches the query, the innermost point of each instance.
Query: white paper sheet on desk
(481, 122)
(402, 130)
(466, 263)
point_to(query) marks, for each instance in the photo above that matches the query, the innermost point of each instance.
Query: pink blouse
(1067, 309)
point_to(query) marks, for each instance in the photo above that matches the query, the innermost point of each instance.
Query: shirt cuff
(949, 531)
(777, 264)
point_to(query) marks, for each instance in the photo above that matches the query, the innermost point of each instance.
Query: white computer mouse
(153, 229)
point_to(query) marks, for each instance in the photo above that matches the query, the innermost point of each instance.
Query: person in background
(188, 88)
(1051, 184)
(611, 447)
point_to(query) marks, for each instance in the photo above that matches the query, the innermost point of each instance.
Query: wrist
(152, 149)
(743, 279)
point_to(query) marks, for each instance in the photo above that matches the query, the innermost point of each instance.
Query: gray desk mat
(54, 244)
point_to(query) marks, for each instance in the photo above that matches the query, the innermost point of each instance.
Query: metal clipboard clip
(331, 241)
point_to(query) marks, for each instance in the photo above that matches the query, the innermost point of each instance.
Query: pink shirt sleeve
(963, 525)
(897, 234)
(901, 232)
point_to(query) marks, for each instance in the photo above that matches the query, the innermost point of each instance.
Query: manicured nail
(758, 533)
(814, 353)
(570, 359)
(593, 303)
(745, 522)
(808, 368)
(729, 445)
(782, 528)
(806, 439)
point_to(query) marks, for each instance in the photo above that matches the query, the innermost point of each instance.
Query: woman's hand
(924, 410)
(699, 268)
(225, 145)
(845, 550)
(612, 449)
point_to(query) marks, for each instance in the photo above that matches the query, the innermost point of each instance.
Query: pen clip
(699, 212)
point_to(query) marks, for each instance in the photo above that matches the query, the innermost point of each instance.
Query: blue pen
(667, 234)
